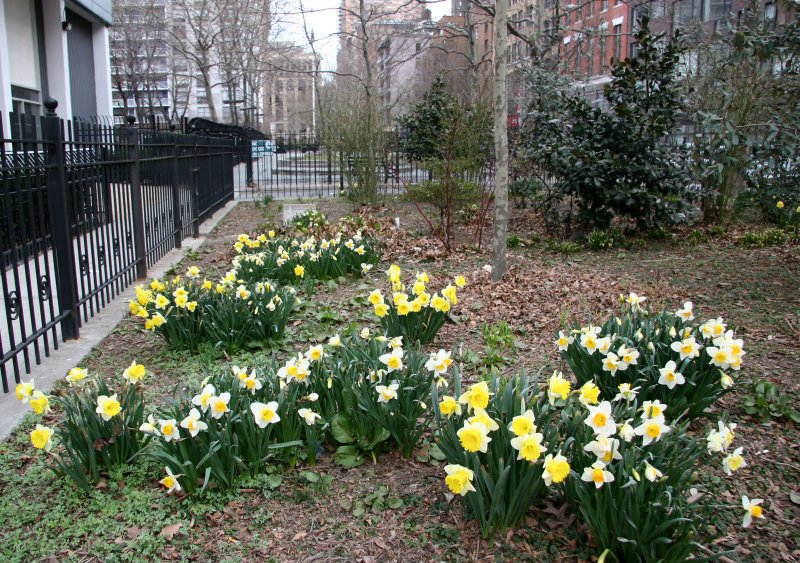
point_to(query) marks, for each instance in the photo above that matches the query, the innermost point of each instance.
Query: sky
(322, 16)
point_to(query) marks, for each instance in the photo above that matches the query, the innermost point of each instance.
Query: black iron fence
(86, 207)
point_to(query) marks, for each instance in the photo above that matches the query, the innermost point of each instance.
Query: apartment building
(290, 85)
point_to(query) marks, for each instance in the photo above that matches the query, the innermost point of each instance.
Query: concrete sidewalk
(72, 352)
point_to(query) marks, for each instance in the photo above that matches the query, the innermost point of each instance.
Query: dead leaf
(299, 536)
(133, 532)
(168, 532)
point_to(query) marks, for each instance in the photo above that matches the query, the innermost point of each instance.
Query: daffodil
(651, 430)
(600, 419)
(634, 300)
(335, 341)
(41, 437)
(627, 356)
(720, 357)
(193, 272)
(589, 340)
(564, 340)
(687, 348)
(556, 469)
(309, 416)
(725, 380)
(589, 394)
(169, 429)
(558, 388)
(477, 396)
(170, 482)
(365, 333)
(606, 449)
(529, 446)
(393, 360)
(653, 410)
(251, 383)
(611, 363)
(625, 430)
(459, 479)
(440, 304)
(480, 415)
(752, 509)
(597, 474)
(24, 390)
(626, 392)
(313, 397)
(193, 424)
(474, 437)
(299, 271)
(202, 399)
(265, 413)
(438, 362)
(387, 392)
(161, 301)
(108, 407)
(149, 426)
(522, 424)
(219, 405)
(651, 473)
(396, 342)
(460, 281)
(685, 313)
(733, 462)
(40, 403)
(315, 353)
(134, 373)
(779, 205)
(365, 268)
(449, 406)
(713, 328)
(381, 310)
(669, 376)
(719, 440)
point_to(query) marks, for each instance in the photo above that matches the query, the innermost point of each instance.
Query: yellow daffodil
(170, 482)
(40, 403)
(477, 396)
(193, 424)
(600, 420)
(529, 446)
(589, 394)
(779, 205)
(558, 388)
(381, 310)
(733, 462)
(387, 392)
(265, 413)
(597, 474)
(299, 271)
(41, 437)
(24, 390)
(440, 304)
(169, 429)
(480, 415)
(376, 297)
(219, 405)
(449, 406)
(523, 424)
(556, 469)
(460, 281)
(108, 407)
(451, 294)
(393, 360)
(752, 509)
(606, 449)
(474, 437)
(651, 430)
(459, 479)
(669, 376)
(134, 373)
(564, 340)
(161, 301)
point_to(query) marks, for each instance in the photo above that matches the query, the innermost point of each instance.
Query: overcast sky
(322, 16)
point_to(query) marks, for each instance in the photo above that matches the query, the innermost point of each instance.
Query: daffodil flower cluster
(663, 356)
(416, 315)
(289, 260)
(188, 310)
(95, 432)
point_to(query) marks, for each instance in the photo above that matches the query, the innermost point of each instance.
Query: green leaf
(348, 456)
(274, 481)
(437, 453)
(310, 476)
(342, 429)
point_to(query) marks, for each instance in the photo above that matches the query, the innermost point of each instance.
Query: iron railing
(86, 207)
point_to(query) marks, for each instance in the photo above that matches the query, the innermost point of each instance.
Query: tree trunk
(499, 262)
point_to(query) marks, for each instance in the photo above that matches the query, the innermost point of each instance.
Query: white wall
(102, 69)
(22, 45)
(57, 60)
(5, 75)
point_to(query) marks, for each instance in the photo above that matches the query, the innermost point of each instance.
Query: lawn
(395, 508)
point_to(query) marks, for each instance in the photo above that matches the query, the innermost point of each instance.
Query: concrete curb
(72, 352)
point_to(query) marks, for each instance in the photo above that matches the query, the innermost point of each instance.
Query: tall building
(57, 49)
(190, 58)
(289, 99)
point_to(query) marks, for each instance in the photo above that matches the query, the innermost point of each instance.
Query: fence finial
(51, 104)
(131, 119)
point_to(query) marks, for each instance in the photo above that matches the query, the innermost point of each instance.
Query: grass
(292, 515)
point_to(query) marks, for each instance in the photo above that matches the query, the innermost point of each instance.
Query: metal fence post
(60, 219)
(177, 220)
(139, 249)
(195, 192)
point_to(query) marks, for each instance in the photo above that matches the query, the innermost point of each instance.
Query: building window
(770, 15)
(25, 100)
(591, 56)
(618, 42)
(603, 52)
(721, 8)
(604, 5)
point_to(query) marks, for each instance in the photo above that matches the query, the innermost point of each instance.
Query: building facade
(58, 49)
(290, 86)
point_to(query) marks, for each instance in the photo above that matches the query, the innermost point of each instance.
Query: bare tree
(137, 43)
(499, 250)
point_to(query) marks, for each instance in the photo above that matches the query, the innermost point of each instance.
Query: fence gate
(85, 208)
